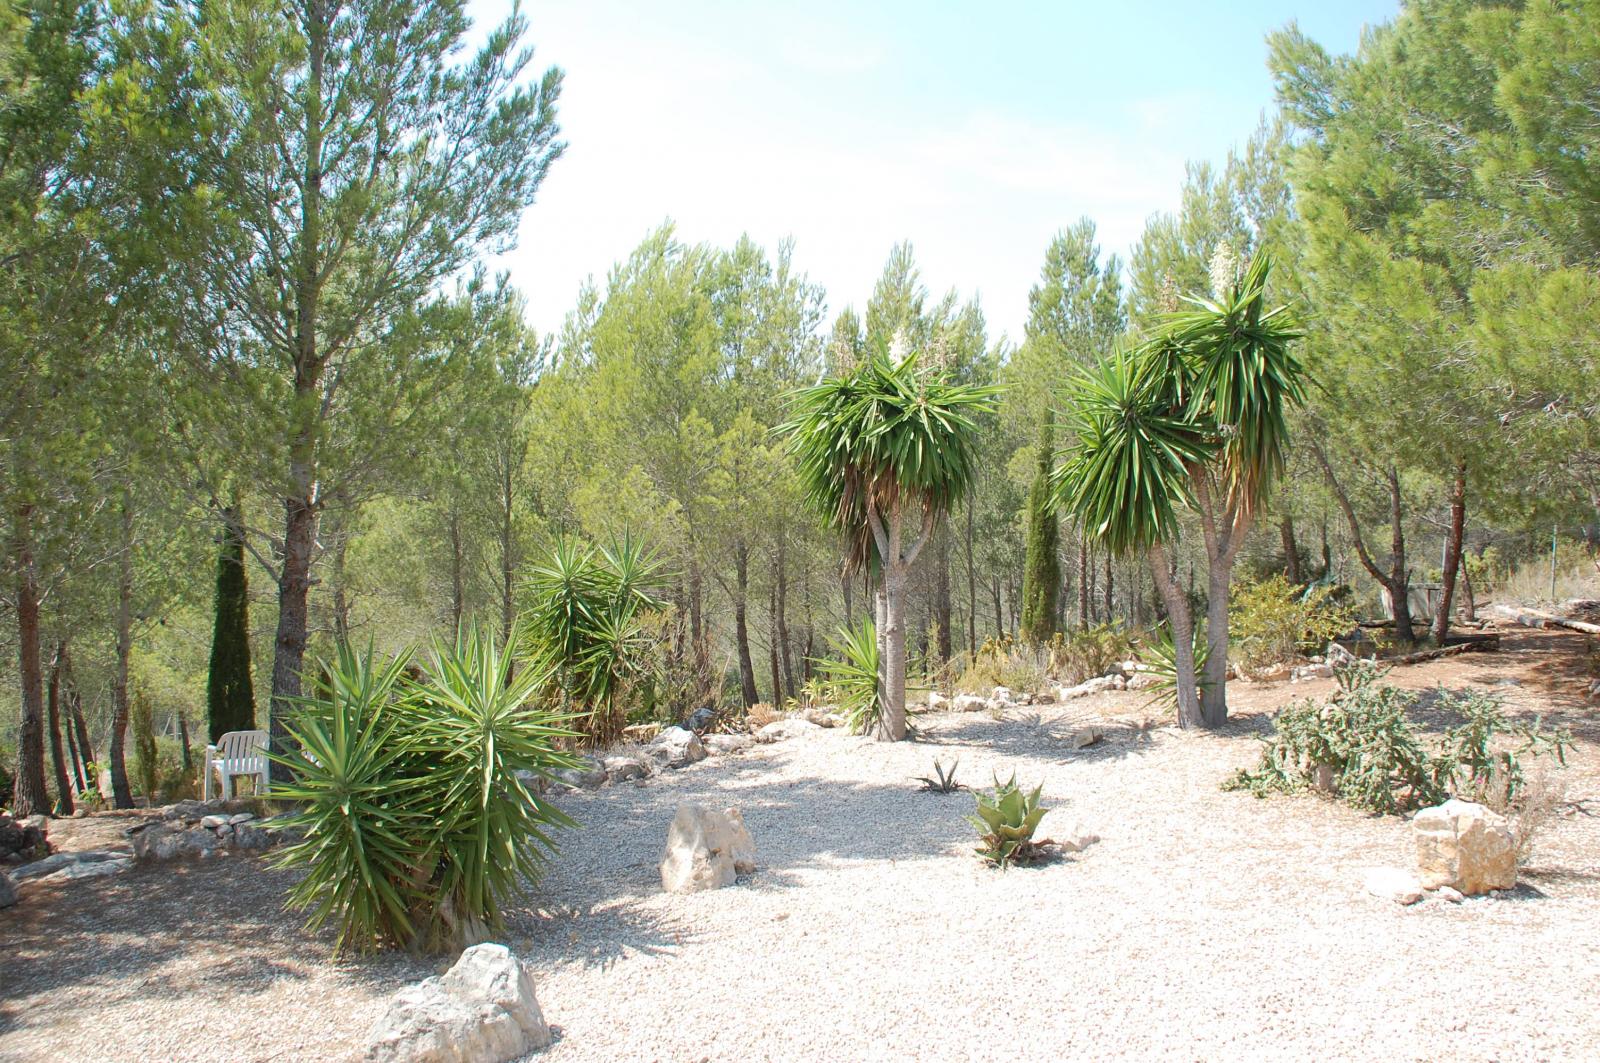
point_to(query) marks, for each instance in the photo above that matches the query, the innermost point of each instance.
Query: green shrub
(417, 823)
(851, 677)
(1359, 745)
(1273, 620)
(584, 630)
(1006, 820)
(1003, 662)
(1088, 653)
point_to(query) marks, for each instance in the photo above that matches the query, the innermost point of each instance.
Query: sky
(974, 130)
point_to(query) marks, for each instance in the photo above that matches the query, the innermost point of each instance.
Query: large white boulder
(483, 1010)
(778, 730)
(728, 743)
(937, 702)
(970, 703)
(676, 747)
(1465, 846)
(706, 849)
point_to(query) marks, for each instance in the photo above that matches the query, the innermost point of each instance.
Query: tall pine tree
(1041, 578)
(230, 699)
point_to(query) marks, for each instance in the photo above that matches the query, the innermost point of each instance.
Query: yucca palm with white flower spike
(1196, 419)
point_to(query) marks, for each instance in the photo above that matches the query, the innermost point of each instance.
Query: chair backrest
(242, 745)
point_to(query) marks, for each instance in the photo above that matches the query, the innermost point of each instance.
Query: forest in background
(246, 328)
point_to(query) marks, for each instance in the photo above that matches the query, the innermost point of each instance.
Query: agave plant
(854, 677)
(943, 782)
(1007, 817)
(417, 823)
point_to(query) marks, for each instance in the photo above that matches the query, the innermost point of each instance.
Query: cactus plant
(1007, 817)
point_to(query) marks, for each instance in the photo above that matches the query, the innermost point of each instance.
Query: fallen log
(1470, 644)
(1536, 618)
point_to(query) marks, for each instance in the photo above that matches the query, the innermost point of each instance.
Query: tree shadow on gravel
(1029, 733)
(597, 934)
(168, 929)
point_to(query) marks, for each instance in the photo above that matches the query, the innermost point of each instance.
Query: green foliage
(1360, 746)
(1001, 662)
(584, 628)
(1272, 620)
(942, 782)
(144, 743)
(1041, 576)
(852, 675)
(1090, 652)
(887, 432)
(230, 696)
(1160, 658)
(419, 823)
(1006, 820)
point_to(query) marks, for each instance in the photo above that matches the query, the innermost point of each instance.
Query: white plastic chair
(236, 753)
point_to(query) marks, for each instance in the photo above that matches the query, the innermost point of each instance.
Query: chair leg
(227, 787)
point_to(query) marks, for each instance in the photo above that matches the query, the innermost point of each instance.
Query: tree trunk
(1214, 685)
(697, 617)
(508, 552)
(301, 499)
(781, 590)
(85, 750)
(741, 630)
(1452, 555)
(341, 596)
(1396, 582)
(58, 757)
(892, 723)
(772, 647)
(121, 792)
(458, 579)
(183, 743)
(1291, 551)
(999, 614)
(1110, 595)
(941, 606)
(31, 794)
(1083, 579)
(972, 587)
(1181, 625)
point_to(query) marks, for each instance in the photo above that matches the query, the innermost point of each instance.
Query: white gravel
(1206, 925)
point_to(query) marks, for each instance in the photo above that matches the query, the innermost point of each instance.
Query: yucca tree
(1194, 419)
(582, 629)
(883, 452)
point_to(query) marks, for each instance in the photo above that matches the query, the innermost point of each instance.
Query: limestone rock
(213, 822)
(87, 863)
(8, 892)
(249, 836)
(621, 769)
(725, 744)
(1310, 671)
(1001, 694)
(1338, 657)
(24, 839)
(483, 1010)
(589, 774)
(1143, 681)
(1076, 839)
(240, 817)
(778, 730)
(937, 702)
(676, 747)
(1466, 847)
(166, 841)
(970, 703)
(1394, 884)
(706, 849)
(1087, 736)
(1098, 685)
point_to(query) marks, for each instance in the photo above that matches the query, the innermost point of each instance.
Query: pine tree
(1041, 579)
(230, 699)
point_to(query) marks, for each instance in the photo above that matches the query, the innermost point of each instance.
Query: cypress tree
(230, 699)
(1041, 578)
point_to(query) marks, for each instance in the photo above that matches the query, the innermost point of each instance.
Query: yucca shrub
(585, 629)
(852, 678)
(416, 822)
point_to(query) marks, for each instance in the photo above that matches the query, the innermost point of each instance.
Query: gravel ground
(1206, 925)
